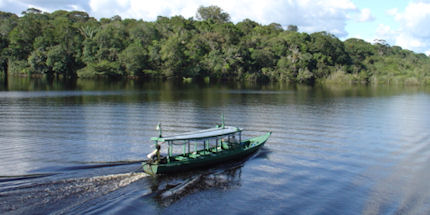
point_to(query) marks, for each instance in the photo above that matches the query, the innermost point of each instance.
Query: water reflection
(167, 190)
(334, 150)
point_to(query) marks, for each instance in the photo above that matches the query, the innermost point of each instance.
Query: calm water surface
(76, 148)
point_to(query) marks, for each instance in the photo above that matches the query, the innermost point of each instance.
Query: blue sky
(399, 22)
(378, 11)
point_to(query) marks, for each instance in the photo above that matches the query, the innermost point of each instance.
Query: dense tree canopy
(73, 44)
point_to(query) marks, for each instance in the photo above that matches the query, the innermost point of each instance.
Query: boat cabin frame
(207, 137)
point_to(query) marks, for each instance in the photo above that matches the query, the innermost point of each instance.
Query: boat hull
(247, 148)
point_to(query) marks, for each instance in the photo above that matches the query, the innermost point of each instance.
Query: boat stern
(150, 168)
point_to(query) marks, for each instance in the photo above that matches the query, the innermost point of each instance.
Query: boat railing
(202, 146)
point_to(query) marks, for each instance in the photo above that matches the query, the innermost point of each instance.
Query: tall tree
(292, 28)
(214, 13)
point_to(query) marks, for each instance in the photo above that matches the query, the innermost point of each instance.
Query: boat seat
(194, 155)
(225, 146)
(204, 152)
(215, 150)
(180, 158)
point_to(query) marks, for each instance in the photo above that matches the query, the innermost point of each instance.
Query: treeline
(73, 44)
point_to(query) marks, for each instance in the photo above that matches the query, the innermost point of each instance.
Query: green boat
(200, 149)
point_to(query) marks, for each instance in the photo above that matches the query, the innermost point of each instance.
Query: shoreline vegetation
(71, 44)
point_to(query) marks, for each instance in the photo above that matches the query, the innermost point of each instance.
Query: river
(76, 148)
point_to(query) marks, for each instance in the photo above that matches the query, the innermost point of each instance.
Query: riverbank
(73, 44)
(15, 83)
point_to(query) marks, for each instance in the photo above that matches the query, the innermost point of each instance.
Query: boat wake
(61, 194)
(169, 191)
(92, 165)
(24, 177)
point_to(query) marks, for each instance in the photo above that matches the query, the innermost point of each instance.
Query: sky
(405, 23)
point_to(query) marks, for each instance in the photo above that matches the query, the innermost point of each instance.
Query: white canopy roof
(201, 134)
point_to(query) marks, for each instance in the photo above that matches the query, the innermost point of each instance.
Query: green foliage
(37, 62)
(22, 36)
(18, 67)
(292, 28)
(330, 46)
(134, 59)
(103, 68)
(305, 76)
(8, 22)
(59, 61)
(3, 53)
(73, 44)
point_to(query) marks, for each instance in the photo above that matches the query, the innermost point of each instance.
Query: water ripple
(330, 152)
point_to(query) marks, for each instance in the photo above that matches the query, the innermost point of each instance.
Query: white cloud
(12, 6)
(416, 18)
(393, 12)
(408, 41)
(413, 32)
(310, 16)
(385, 32)
(365, 15)
(18, 6)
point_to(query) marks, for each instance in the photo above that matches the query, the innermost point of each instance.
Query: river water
(76, 148)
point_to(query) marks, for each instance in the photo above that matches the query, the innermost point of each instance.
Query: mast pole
(159, 130)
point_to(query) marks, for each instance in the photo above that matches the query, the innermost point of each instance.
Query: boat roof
(201, 134)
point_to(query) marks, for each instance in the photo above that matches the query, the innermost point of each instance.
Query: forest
(71, 44)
